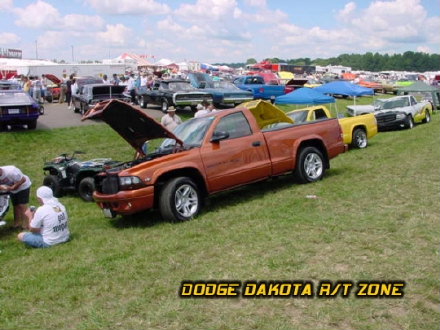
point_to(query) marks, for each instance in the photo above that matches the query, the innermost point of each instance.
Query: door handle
(256, 143)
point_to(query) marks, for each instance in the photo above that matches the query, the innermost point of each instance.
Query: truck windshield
(191, 132)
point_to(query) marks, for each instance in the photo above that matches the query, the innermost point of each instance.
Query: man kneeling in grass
(48, 225)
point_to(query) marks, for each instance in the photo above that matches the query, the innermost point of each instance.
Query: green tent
(422, 91)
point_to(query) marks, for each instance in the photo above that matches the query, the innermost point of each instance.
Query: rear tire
(86, 188)
(53, 183)
(310, 165)
(180, 200)
(32, 124)
(359, 139)
(427, 117)
(164, 106)
(142, 103)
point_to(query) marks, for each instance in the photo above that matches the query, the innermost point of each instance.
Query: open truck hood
(134, 125)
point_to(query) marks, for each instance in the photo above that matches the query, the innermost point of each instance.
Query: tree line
(408, 61)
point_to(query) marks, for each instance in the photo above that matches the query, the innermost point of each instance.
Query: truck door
(240, 158)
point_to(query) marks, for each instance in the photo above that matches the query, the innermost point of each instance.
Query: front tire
(180, 200)
(409, 122)
(310, 165)
(359, 139)
(86, 188)
(53, 182)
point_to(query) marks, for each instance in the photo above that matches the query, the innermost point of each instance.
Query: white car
(395, 112)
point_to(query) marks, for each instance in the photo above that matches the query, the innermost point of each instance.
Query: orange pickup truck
(205, 155)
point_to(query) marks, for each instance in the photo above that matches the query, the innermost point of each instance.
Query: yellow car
(356, 130)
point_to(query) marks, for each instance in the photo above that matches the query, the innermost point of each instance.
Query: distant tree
(251, 61)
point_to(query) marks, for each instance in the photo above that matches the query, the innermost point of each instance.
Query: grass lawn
(376, 217)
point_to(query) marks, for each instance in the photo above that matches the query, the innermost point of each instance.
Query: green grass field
(376, 217)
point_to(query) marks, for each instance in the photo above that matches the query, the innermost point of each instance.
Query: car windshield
(223, 84)
(390, 103)
(298, 116)
(180, 86)
(191, 132)
(14, 98)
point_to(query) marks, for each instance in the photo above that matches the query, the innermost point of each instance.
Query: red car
(53, 89)
(377, 86)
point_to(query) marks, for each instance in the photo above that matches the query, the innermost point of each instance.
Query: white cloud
(130, 7)
(431, 28)
(82, 22)
(207, 10)
(6, 4)
(115, 35)
(424, 49)
(38, 15)
(51, 40)
(398, 20)
(256, 3)
(8, 39)
(346, 13)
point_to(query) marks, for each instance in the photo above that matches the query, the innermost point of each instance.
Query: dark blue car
(18, 108)
(223, 92)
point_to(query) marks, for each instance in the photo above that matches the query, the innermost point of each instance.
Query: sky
(217, 31)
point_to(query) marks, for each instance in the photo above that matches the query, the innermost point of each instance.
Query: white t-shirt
(201, 113)
(53, 221)
(169, 122)
(12, 175)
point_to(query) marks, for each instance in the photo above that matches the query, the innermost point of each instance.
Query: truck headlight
(400, 116)
(130, 183)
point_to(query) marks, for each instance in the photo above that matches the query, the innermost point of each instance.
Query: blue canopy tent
(344, 88)
(304, 95)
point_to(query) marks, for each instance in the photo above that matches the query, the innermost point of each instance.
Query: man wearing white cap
(171, 120)
(48, 225)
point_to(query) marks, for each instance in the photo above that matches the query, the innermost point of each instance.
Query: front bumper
(398, 123)
(125, 202)
(390, 121)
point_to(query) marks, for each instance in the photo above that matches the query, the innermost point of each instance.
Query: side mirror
(202, 84)
(219, 135)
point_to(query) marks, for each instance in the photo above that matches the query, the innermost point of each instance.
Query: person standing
(36, 89)
(12, 180)
(49, 224)
(105, 79)
(131, 88)
(69, 84)
(63, 89)
(115, 80)
(27, 85)
(171, 120)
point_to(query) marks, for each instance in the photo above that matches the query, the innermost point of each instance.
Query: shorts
(21, 197)
(34, 240)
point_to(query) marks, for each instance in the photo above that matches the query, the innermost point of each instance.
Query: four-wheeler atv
(67, 173)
